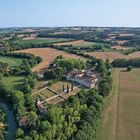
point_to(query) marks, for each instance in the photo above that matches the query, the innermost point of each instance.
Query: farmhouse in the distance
(83, 77)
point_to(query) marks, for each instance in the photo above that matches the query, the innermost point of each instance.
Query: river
(12, 125)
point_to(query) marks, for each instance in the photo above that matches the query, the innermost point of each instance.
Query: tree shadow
(18, 84)
(123, 71)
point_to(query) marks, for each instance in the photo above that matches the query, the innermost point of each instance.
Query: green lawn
(13, 82)
(10, 60)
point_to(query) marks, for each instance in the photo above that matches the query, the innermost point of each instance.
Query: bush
(129, 68)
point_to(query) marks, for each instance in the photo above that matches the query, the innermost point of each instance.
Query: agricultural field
(11, 61)
(135, 54)
(77, 43)
(110, 55)
(119, 48)
(113, 55)
(48, 55)
(13, 82)
(120, 119)
(121, 42)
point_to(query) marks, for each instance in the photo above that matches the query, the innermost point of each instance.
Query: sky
(53, 13)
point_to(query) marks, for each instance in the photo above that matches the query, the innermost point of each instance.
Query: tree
(31, 81)
(34, 135)
(49, 74)
(72, 87)
(108, 65)
(63, 88)
(32, 118)
(50, 83)
(129, 68)
(26, 88)
(68, 90)
(58, 72)
(29, 102)
(104, 87)
(19, 133)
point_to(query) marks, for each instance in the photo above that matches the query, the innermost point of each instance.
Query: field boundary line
(118, 106)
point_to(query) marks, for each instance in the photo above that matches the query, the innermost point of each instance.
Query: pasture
(120, 119)
(11, 61)
(13, 82)
(48, 55)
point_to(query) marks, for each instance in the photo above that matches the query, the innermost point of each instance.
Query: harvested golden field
(110, 55)
(119, 48)
(76, 43)
(125, 34)
(48, 55)
(135, 54)
(28, 38)
(121, 42)
(114, 55)
(120, 120)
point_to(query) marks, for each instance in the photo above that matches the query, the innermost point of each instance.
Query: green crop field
(13, 82)
(120, 119)
(10, 60)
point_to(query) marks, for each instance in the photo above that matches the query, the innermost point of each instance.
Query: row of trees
(82, 48)
(135, 62)
(132, 40)
(105, 84)
(29, 83)
(2, 124)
